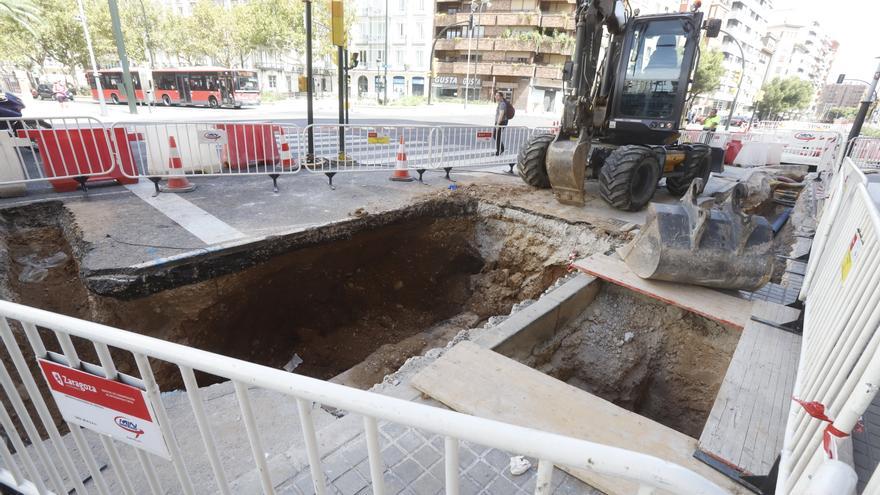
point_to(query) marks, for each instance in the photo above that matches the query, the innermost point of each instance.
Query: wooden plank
(477, 381)
(746, 426)
(727, 310)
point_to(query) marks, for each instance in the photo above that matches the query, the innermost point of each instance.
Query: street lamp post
(863, 110)
(431, 59)
(96, 76)
(467, 77)
(742, 76)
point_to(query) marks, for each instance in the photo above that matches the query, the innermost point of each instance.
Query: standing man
(712, 121)
(501, 117)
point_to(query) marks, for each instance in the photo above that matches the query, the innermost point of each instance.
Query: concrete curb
(518, 335)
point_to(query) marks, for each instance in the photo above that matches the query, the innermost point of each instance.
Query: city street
(326, 111)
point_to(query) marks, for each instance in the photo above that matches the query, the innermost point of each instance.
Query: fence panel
(247, 377)
(210, 148)
(65, 151)
(841, 335)
(479, 146)
(865, 152)
(365, 148)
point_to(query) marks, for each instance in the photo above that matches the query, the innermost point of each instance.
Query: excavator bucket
(716, 247)
(566, 168)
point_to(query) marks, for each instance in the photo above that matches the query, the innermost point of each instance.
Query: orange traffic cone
(177, 184)
(401, 173)
(287, 161)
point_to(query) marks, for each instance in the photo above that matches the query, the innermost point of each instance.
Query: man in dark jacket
(500, 120)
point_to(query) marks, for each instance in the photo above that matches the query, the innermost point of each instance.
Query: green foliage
(707, 77)
(24, 13)
(409, 101)
(870, 131)
(840, 113)
(784, 95)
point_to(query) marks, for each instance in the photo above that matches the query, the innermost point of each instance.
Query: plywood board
(478, 381)
(746, 426)
(725, 309)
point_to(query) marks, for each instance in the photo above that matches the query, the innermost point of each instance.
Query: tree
(22, 12)
(781, 96)
(840, 113)
(707, 77)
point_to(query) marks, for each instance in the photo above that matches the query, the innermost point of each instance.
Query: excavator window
(653, 70)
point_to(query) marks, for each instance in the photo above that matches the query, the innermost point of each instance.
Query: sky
(854, 24)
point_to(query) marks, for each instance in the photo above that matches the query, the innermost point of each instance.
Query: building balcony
(445, 44)
(548, 72)
(563, 22)
(514, 45)
(445, 67)
(513, 70)
(557, 47)
(518, 19)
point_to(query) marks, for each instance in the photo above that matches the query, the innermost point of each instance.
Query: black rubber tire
(531, 163)
(678, 186)
(114, 99)
(212, 102)
(166, 100)
(629, 177)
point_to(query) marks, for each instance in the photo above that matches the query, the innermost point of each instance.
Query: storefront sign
(108, 407)
(453, 82)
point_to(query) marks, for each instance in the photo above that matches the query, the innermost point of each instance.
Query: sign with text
(105, 406)
(452, 81)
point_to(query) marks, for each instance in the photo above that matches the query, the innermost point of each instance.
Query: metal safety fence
(837, 371)
(865, 152)
(820, 148)
(50, 465)
(63, 151)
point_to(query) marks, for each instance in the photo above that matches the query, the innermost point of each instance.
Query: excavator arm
(567, 155)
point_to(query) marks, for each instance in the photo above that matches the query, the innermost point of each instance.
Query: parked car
(45, 92)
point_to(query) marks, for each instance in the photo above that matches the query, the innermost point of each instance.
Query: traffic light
(840, 78)
(355, 58)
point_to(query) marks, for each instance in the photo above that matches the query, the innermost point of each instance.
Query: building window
(418, 86)
(401, 5)
(421, 5)
(418, 58)
(273, 81)
(400, 57)
(399, 85)
(401, 29)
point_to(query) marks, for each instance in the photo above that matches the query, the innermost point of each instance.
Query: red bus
(214, 87)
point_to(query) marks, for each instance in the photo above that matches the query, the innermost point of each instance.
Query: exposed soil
(332, 304)
(653, 359)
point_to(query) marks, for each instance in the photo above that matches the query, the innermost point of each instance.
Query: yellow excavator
(621, 118)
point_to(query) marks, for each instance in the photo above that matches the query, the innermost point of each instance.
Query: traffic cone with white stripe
(287, 161)
(178, 184)
(401, 173)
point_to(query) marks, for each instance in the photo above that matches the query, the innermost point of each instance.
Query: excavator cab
(649, 92)
(622, 119)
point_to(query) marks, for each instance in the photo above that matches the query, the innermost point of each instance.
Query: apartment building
(409, 37)
(517, 47)
(745, 22)
(804, 50)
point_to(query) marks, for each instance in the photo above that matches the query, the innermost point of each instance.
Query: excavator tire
(677, 186)
(531, 162)
(629, 177)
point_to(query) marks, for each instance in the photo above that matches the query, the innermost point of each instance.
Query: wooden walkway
(723, 308)
(481, 382)
(745, 428)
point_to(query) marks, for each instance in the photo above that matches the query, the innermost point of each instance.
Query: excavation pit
(354, 299)
(646, 356)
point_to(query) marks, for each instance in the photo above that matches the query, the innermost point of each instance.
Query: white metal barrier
(19, 468)
(819, 148)
(841, 338)
(65, 151)
(365, 148)
(475, 146)
(865, 152)
(210, 147)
